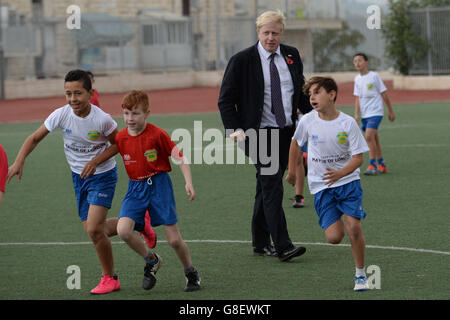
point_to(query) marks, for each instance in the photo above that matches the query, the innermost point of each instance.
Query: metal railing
(432, 25)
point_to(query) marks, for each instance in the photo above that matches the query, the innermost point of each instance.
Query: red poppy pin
(289, 60)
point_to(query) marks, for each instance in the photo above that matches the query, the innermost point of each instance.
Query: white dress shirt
(287, 87)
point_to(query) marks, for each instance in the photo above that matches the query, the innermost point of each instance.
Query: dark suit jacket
(241, 98)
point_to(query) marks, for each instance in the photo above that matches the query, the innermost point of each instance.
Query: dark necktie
(277, 100)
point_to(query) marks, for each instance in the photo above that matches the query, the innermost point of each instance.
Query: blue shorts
(97, 189)
(371, 122)
(305, 147)
(156, 196)
(332, 203)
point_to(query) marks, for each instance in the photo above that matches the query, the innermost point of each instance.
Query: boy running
(146, 150)
(335, 153)
(87, 132)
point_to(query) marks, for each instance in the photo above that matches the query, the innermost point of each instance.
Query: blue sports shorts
(97, 189)
(155, 195)
(332, 203)
(371, 122)
(305, 147)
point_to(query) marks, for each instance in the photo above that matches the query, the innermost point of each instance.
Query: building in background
(119, 36)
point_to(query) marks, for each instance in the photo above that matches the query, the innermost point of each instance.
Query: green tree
(403, 44)
(330, 48)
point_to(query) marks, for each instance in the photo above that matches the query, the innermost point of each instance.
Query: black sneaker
(149, 273)
(268, 251)
(299, 201)
(192, 281)
(291, 253)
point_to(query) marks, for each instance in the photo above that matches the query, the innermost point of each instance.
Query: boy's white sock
(360, 272)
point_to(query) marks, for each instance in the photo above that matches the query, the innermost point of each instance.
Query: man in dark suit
(261, 91)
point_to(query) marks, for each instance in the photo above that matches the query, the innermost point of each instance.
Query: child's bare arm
(334, 175)
(387, 101)
(28, 146)
(357, 108)
(186, 171)
(111, 151)
(295, 153)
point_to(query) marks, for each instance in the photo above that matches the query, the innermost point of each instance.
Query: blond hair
(269, 17)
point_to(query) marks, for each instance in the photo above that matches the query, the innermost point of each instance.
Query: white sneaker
(361, 284)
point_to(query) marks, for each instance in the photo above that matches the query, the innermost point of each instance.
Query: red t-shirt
(94, 99)
(148, 153)
(3, 168)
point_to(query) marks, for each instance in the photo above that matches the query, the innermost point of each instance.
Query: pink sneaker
(107, 284)
(148, 233)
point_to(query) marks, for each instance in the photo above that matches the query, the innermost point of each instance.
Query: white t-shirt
(369, 88)
(331, 144)
(287, 87)
(84, 138)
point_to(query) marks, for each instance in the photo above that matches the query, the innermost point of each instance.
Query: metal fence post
(428, 23)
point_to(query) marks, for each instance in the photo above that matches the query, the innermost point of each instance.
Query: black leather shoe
(291, 253)
(266, 251)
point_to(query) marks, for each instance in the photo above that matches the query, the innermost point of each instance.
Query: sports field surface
(406, 229)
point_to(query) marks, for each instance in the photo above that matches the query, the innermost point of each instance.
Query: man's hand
(238, 135)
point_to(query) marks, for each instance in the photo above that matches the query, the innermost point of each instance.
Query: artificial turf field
(406, 229)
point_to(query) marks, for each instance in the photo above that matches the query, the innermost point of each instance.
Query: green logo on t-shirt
(93, 135)
(151, 155)
(342, 137)
(369, 86)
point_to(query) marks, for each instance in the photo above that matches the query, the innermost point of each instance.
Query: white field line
(227, 241)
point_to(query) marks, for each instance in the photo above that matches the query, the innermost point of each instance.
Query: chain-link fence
(432, 25)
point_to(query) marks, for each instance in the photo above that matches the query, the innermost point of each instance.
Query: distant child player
(87, 132)
(146, 150)
(370, 93)
(3, 171)
(335, 153)
(94, 99)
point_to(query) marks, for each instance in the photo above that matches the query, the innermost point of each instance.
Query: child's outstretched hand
(190, 191)
(13, 170)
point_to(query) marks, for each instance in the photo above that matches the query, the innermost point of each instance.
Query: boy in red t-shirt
(146, 150)
(94, 99)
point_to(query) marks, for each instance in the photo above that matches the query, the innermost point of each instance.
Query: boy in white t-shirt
(335, 153)
(87, 132)
(370, 93)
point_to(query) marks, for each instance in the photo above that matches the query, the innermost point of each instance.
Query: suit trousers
(268, 215)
